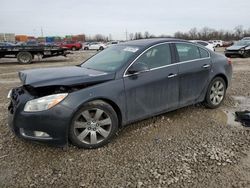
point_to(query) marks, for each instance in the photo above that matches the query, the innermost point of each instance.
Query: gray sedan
(88, 103)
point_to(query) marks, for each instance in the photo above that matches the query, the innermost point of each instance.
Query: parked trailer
(25, 54)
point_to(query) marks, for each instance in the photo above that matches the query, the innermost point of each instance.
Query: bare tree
(239, 31)
(180, 35)
(247, 33)
(138, 36)
(204, 33)
(99, 37)
(193, 33)
(146, 35)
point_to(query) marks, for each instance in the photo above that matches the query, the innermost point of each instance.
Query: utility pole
(41, 32)
(126, 35)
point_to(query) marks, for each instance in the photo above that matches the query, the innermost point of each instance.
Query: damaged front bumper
(48, 126)
(234, 52)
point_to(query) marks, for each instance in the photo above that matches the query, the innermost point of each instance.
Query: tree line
(207, 33)
(204, 33)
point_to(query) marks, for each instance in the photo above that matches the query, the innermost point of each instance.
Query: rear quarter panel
(220, 66)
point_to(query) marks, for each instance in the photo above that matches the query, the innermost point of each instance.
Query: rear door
(194, 68)
(153, 91)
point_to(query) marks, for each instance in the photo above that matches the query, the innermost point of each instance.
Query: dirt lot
(190, 147)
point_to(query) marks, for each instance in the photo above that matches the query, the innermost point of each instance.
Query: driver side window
(157, 56)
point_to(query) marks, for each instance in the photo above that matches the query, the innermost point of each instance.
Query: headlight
(44, 103)
(242, 50)
(9, 94)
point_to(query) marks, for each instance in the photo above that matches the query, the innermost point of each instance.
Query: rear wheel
(93, 125)
(73, 48)
(101, 48)
(215, 93)
(24, 57)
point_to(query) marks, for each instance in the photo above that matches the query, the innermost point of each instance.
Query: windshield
(242, 43)
(111, 58)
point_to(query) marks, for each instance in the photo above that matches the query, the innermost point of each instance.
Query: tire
(246, 54)
(86, 48)
(73, 48)
(98, 124)
(24, 57)
(101, 48)
(215, 93)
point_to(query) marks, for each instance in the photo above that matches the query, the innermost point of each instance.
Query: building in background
(7, 37)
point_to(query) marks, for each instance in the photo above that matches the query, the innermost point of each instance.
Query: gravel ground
(189, 147)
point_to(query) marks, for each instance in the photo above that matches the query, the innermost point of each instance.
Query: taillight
(229, 61)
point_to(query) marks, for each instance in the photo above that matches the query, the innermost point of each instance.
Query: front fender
(112, 91)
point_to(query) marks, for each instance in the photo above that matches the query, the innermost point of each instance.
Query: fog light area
(34, 134)
(40, 134)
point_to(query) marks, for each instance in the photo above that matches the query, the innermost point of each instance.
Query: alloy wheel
(217, 92)
(92, 126)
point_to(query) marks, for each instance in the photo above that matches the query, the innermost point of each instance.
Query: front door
(153, 91)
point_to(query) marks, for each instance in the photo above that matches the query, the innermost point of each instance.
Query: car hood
(63, 76)
(236, 47)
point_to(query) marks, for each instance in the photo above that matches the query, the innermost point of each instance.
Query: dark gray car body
(133, 97)
(242, 50)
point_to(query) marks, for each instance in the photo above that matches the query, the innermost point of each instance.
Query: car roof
(151, 42)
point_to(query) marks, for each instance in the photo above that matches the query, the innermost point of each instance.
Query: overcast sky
(60, 17)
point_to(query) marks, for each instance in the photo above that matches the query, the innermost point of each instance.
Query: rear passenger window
(202, 43)
(203, 53)
(187, 52)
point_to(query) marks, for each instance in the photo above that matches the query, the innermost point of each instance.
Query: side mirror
(137, 68)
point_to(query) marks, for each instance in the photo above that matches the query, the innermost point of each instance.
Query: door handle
(172, 75)
(206, 66)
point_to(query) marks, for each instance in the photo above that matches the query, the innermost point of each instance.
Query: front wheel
(215, 93)
(93, 125)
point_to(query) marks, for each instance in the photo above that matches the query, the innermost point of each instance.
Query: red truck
(72, 45)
